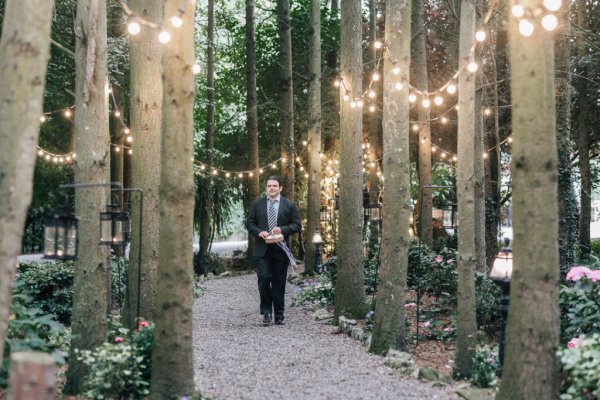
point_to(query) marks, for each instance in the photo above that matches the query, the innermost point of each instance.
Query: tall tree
(424, 115)
(466, 323)
(389, 328)
(479, 182)
(286, 99)
(583, 135)
(207, 191)
(349, 290)
(374, 117)
(145, 111)
(567, 199)
(93, 266)
(172, 366)
(531, 367)
(251, 115)
(314, 134)
(24, 54)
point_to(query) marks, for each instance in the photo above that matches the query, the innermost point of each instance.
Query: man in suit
(273, 215)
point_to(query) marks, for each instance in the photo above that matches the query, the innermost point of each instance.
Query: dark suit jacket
(287, 219)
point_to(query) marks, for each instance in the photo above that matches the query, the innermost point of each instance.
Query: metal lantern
(60, 237)
(114, 226)
(449, 217)
(317, 240)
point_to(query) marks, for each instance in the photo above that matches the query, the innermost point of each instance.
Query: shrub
(487, 304)
(580, 302)
(436, 274)
(47, 286)
(209, 263)
(120, 368)
(485, 366)
(30, 329)
(318, 291)
(581, 368)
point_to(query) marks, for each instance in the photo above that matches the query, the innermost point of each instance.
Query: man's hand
(263, 234)
(277, 230)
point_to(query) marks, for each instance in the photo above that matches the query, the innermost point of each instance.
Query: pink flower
(576, 273)
(119, 339)
(144, 324)
(410, 305)
(438, 259)
(448, 329)
(450, 261)
(425, 324)
(574, 343)
(594, 276)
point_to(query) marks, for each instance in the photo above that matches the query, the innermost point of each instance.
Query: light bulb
(346, 97)
(117, 149)
(164, 37)
(352, 104)
(518, 10)
(454, 158)
(304, 143)
(525, 27)
(444, 120)
(480, 36)
(176, 21)
(487, 111)
(552, 5)
(457, 107)
(130, 151)
(43, 118)
(396, 70)
(372, 94)
(485, 155)
(372, 108)
(549, 22)
(415, 128)
(443, 155)
(412, 98)
(134, 27)
(359, 103)
(129, 139)
(40, 153)
(510, 139)
(126, 131)
(196, 69)
(227, 175)
(117, 113)
(399, 85)
(378, 44)
(336, 83)
(426, 103)
(438, 100)
(472, 67)
(240, 175)
(433, 149)
(375, 76)
(67, 113)
(451, 89)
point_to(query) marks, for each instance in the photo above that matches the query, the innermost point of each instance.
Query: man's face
(273, 188)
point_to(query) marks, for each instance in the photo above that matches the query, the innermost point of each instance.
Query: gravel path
(238, 358)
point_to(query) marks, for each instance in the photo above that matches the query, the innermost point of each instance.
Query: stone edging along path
(236, 357)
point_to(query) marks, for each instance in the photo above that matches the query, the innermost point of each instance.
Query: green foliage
(47, 286)
(314, 291)
(487, 303)
(119, 270)
(209, 263)
(581, 369)
(121, 367)
(580, 307)
(30, 329)
(370, 272)
(485, 366)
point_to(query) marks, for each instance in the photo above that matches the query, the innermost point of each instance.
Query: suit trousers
(271, 271)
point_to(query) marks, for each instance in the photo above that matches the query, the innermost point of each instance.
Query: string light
(378, 44)
(67, 113)
(438, 100)
(134, 27)
(412, 98)
(480, 36)
(336, 83)
(552, 5)
(176, 21)
(372, 108)
(472, 67)
(525, 27)
(375, 76)
(372, 94)
(487, 111)
(164, 37)
(518, 10)
(399, 85)
(196, 69)
(426, 103)
(549, 22)
(451, 89)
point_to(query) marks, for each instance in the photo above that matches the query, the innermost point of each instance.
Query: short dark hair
(274, 178)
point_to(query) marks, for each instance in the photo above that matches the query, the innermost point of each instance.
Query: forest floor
(236, 357)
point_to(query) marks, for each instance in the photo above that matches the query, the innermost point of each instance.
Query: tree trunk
(466, 194)
(207, 192)
(146, 118)
(531, 366)
(567, 200)
(583, 142)
(375, 128)
(389, 327)
(314, 137)
(479, 182)
(93, 266)
(251, 115)
(286, 100)
(349, 290)
(424, 115)
(118, 152)
(172, 364)
(24, 54)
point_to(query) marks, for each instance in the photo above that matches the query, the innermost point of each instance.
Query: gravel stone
(236, 357)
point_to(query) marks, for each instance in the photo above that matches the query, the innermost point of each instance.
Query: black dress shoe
(279, 321)
(268, 318)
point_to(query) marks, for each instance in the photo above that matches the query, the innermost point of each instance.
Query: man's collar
(278, 198)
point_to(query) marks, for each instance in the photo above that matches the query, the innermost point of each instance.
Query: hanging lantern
(60, 237)
(114, 226)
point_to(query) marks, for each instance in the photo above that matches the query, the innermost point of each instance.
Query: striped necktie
(272, 216)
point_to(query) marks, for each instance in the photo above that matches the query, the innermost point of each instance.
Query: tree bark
(93, 266)
(531, 367)
(24, 54)
(349, 290)
(172, 364)
(314, 137)
(146, 118)
(286, 100)
(424, 115)
(567, 199)
(389, 327)
(466, 194)
(251, 116)
(479, 183)
(375, 128)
